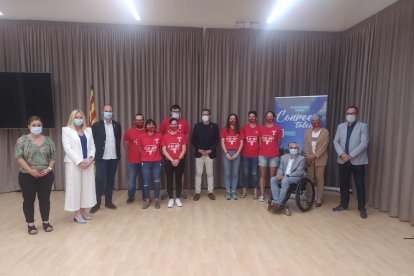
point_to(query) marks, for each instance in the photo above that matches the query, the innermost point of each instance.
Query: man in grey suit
(290, 171)
(351, 144)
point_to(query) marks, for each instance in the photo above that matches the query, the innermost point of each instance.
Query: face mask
(252, 120)
(175, 115)
(139, 124)
(269, 120)
(204, 118)
(316, 124)
(350, 118)
(150, 128)
(293, 151)
(174, 128)
(36, 130)
(78, 122)
(232, 122)
(107, 115)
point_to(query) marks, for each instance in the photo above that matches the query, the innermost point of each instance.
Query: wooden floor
(205, 238)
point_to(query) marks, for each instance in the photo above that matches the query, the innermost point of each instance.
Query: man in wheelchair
(291, 170)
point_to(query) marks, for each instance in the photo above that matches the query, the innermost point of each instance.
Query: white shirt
(110, 149)
(289, 166)
(315, 136)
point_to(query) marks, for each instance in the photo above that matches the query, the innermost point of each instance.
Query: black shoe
(363, 213)
(196, 197)
(95, 209)
(110, 205)
(339, 208)
(130, 200)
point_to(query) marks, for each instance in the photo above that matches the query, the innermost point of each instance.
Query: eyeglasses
(293, 147)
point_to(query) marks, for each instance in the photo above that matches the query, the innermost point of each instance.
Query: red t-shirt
(174, 144)
(251, 146)
(269, 137)
(231, 139)
(131, 136)
(150, 147)
(183, 126)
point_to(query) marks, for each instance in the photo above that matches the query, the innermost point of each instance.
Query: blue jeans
(151, 171)
(231, 172)
(134, 170)
(250, 168)
(280, 187)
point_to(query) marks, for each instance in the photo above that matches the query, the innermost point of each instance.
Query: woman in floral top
(35, 154)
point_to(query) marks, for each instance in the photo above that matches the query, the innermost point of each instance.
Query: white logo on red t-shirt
(179, 139)
(251, 140)
(273, 132)
(150, 149)
(267, 139)
(136, 142)
(174, 147)
(231, 139)
(156, 140)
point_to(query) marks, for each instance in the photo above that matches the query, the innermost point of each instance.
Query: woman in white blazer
(79, 147)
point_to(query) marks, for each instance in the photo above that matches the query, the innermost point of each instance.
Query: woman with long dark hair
(231, 144)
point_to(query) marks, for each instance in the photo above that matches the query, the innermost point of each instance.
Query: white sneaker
(178, 202)
(260, 198)
(170, 203)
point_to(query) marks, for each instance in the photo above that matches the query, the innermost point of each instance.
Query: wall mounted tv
(23, 95)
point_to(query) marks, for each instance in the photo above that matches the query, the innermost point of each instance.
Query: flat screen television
(23, 95)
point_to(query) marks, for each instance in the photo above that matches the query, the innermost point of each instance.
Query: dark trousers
(169, 171)
(358, 171)
(104, 179)
(31, 186)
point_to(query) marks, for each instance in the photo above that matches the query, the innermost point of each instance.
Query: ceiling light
(132, 8)
(280, 7)
(1, 13)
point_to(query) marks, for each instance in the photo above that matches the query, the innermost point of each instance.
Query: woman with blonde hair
(79, 147)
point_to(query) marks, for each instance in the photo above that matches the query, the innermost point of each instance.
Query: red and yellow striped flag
(92, 113)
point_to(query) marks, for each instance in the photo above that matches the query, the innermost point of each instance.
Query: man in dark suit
(351, 145)
(107, 135)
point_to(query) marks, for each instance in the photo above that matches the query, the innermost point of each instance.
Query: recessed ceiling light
(280, 7)
(1, 13)
(132, 8)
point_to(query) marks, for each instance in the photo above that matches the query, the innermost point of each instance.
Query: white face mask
(350, 118)
(175, 115)
(205, 118)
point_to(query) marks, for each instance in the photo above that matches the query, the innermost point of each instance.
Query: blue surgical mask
(175, 115)
(350, 118)
(78, 122)
(293, 151)
(107, 115)
(36, 130)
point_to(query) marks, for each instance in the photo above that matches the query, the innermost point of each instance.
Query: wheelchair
(304, 192)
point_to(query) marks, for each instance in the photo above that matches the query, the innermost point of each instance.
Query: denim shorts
(268, 161)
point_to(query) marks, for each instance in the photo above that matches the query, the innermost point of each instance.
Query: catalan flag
(92, 113)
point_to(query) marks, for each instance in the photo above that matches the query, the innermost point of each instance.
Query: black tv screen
(23, 95)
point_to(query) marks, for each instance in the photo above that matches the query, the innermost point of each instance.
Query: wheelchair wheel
(305, 195)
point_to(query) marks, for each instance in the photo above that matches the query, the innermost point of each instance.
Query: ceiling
(313, 15)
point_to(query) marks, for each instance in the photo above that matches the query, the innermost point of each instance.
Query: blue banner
(293, 116)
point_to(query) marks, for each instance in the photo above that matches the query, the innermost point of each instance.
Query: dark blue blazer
(99, 136)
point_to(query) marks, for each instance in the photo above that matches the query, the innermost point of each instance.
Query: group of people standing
(253, 145)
